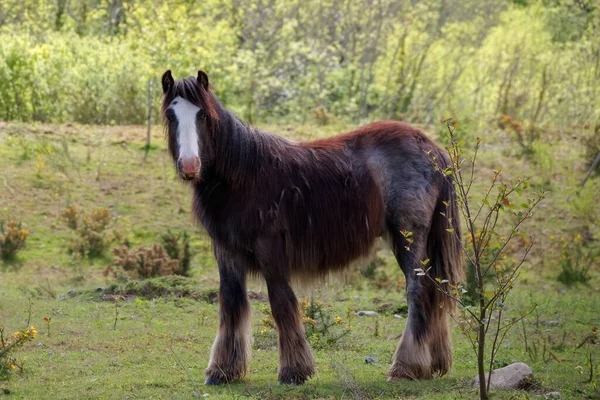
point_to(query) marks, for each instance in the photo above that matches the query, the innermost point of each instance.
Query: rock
(70, 294)
(513, 376)
(549, 323)
(397, 316)
(553, 395)
(370, 360)
(367, 313)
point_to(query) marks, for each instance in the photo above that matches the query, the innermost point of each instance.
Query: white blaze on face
(187, 135)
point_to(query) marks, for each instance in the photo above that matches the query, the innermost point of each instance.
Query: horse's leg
(296, 362)
(230, 351)
(424, 349)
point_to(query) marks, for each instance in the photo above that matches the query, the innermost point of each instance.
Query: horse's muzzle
(189, 168)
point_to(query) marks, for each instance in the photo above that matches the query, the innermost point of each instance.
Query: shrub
(12, 238)
(321, 326)
(321, 116)
(591, 143)
(492, 223)
(142, 263)
(7, 346)
(177, 247)
(93, 237)
(575, 260)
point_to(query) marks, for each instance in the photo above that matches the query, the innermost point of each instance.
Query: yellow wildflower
(338, 320)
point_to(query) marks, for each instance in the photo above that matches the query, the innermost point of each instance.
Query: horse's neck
(239, 151)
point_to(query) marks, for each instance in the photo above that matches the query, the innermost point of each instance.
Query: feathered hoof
(294, 376)
(404, 372)
(219, 377)
(212, 381)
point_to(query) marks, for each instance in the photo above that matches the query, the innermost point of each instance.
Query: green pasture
(112, 339)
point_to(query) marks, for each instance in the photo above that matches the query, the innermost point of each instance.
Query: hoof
(398, 379)
(212, 381)
(403, 372)
(295, 376)
(292, 381)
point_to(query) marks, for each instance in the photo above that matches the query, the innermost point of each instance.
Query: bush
(7, 346)
(177, 247)
(93, 237)
(576, 260)
(12, 238)
(321, 326)
(142, 263)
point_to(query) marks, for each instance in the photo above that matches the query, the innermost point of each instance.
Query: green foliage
(92, 237)
(90, 63)
(12, 238)
(8, 345)
(492, 222)
(323, 328)
(576, 259)
(168, 286)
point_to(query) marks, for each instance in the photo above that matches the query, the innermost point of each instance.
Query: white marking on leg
(187, 135)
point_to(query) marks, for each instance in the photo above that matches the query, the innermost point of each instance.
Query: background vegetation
(86, 210)
(90, 61)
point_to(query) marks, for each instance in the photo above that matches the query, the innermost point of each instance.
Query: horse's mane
(243, 151)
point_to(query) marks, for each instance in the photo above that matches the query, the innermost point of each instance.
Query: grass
(116, 340)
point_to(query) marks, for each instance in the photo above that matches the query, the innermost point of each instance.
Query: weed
(12, 238)
(164, 286)
(322, 328)
(591, 142)
(576, 259)
(7, 346)
(177, 247)
(525, 135)
(321, 116)
(142, 263)
(92, 236)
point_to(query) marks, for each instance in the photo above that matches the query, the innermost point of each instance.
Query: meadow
(102, 255)
(119, 338)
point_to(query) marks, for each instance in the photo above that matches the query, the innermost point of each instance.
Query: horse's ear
(202, 80)
(167, 81)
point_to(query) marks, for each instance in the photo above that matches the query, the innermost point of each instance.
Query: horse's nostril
(189, 167)
(170, 114)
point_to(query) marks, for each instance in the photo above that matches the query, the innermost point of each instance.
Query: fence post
(149, 121)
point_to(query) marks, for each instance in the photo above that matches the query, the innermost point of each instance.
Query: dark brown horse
(283, 209)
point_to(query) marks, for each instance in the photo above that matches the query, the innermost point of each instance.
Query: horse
(283, 210)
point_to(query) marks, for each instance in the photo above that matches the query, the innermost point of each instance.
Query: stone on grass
(367, 313)
(513, 376)
(553, 395)
(370, 360)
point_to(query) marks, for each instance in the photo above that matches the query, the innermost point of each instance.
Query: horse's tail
(444, 247)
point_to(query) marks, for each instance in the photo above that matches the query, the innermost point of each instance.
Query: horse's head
(189, 114)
